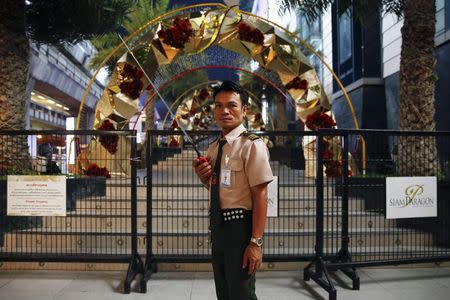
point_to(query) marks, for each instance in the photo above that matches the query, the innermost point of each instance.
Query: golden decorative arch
(190, 31)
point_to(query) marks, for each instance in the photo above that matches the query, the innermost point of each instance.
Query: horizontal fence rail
(100, 197)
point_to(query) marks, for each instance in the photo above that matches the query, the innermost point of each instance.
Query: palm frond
(362, 9)
(312, 9)
(394, 6)
(140, 14)
(60, 21)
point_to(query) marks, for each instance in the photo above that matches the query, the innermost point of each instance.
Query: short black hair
(231, 86)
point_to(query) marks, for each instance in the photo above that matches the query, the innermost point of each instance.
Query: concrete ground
(385, 284)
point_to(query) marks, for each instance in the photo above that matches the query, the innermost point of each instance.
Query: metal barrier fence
(101, 211)
(334, 218)
(353, 229)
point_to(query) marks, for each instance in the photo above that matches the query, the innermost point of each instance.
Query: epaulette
(213, 140)
(250, 136)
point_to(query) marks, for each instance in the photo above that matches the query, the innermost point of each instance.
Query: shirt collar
(235, 133)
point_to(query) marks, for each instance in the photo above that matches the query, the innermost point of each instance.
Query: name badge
(225, 177)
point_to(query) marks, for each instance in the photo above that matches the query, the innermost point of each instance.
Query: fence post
(150, 266)
(344, 255)
(135, 265)
(319, 202)
(317, 269)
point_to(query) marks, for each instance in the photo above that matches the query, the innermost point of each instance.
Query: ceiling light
(59, 105)
(50, 101)
(40, 97)
(66, 108)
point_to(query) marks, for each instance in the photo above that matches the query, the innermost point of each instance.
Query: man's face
(229, 111)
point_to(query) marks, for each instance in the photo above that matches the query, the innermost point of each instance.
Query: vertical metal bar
(134, 163)
(345, 237)
(319, 201)
(149, 157)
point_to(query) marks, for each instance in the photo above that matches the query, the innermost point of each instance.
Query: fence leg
(135, 267)
(317, 271)
(150, 268)
(344, 256)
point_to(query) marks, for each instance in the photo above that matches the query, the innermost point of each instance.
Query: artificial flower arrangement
(318, 120)
(203, 95)
(250, 34)
(173, 142)
(108, 141)
(130, 78)
(297, 84)
(314, 121)
(174, 125)
(178, 34)
(94, 170)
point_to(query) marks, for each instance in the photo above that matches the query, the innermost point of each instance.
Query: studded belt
(234, 214)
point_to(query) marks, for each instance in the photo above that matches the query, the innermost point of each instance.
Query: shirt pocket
(237, 171)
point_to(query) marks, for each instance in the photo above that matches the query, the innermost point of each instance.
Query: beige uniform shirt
(248, 161)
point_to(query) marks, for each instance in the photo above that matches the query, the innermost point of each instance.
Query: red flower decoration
(258, 117)
(174, 124)
(174, 142)
(250, 34)
(94, 170)
(203, 94)
(318, 120)
(327, 155)
(130, 81)
(297, 84)
(178, 34)
(109, 141)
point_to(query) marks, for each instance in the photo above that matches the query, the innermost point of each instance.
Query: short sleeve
(257, 166)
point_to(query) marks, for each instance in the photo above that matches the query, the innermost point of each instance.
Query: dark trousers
(229, 241)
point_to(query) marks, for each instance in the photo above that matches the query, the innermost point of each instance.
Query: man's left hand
(252, 258)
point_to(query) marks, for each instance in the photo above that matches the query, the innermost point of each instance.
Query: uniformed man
(238, 189)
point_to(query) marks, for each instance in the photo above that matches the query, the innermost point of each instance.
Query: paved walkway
(385, 284)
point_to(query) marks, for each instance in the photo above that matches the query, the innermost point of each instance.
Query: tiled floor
(385, 284)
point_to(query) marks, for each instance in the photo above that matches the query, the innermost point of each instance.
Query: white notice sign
(36, 195)
(272, 198)
(411, 197)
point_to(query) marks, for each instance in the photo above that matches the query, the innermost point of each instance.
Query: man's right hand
(203, 169)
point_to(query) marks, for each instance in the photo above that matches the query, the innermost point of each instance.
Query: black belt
(235, 214)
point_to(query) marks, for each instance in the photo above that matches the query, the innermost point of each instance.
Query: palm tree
(143, 12)
(416, 99)
(53, 22)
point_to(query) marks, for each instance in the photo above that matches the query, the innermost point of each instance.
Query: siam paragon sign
(411, 197)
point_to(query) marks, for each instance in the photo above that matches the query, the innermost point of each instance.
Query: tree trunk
(417, 155)
(14, 61)
(149, 122)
